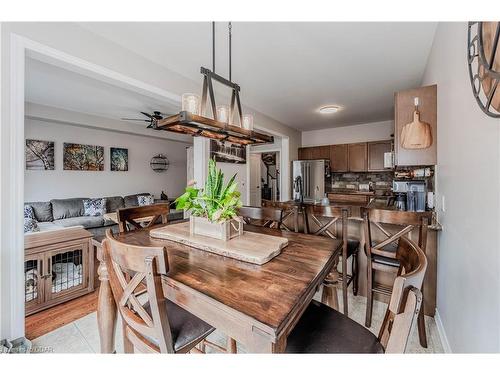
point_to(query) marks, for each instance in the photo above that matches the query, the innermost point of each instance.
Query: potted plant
(214, 209)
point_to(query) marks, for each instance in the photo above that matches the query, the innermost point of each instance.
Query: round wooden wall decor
(159, 163)
(483, 52)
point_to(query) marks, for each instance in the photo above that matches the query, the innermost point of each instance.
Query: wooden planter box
(221, 231)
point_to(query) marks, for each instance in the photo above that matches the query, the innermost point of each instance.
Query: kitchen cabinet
(404, 106)
(376, 151)
(357, 157)
(313, 153)
(339, 158)
(349, 198)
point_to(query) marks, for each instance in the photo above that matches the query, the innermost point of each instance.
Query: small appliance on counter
(416, 196)
(398, 201)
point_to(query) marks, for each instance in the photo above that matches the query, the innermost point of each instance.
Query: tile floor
(82, 335)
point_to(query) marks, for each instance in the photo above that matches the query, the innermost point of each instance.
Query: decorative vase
(221, 231)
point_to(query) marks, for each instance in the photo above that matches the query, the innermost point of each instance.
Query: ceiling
(289, 70)
(79, 93)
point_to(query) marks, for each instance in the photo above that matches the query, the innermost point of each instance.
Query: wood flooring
(49, 320)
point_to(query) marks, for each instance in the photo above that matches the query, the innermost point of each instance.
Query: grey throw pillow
(145, 200)
(30, 225)
(94, 207)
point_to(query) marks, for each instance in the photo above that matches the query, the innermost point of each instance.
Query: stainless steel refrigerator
(309, 179)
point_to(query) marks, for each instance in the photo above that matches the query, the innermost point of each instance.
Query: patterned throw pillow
(145, 200)
(94, 207)
(29, 213)
(30, 225)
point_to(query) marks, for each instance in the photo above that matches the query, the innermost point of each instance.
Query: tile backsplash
(352, 180)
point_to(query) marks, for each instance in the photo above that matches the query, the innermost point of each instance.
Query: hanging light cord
(213, 47)
(229, 26)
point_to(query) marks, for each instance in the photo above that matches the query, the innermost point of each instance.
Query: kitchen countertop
(349, 191)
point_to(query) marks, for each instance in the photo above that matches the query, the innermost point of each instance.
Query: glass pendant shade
(223, 113)
(191, 103)
(248, 122)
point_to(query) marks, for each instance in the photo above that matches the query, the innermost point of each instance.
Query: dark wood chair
(265, 216)
(349, 249)
(322, 329)
(289, 212)
(381, 255)
(158, 326)
(128, 217)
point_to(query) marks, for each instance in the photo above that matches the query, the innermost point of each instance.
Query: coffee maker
(416, 196)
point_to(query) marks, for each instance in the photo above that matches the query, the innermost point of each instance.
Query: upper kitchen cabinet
(339, 158)
(416, 126)
(376, 151)
(358, 157)
(312, 153)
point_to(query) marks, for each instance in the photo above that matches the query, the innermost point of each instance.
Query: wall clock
(483, 54)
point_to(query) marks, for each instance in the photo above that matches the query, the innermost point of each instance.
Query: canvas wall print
(77, 157)
(119, 159)
(39, 155)
(226, 152)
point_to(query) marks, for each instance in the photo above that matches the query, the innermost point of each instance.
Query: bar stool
(381, 255)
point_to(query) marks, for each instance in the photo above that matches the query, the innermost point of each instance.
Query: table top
(269, 293)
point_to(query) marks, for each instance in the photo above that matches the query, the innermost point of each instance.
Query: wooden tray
(251, 247)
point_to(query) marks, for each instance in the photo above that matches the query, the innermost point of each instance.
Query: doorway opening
(265, 178)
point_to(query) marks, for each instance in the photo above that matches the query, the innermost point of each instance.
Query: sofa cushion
(43, 210)
(94, 207)
(114, 203)
(131, 200)
(85, 221)
(29, 213)
(30, 225)
(66, 208)
(145, 200)
(47, 225)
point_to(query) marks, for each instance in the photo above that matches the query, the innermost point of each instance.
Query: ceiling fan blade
(147, 114)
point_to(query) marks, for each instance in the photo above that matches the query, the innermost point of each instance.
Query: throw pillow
(30, 225)
(145, 200)
(94, 207)
(29, 213)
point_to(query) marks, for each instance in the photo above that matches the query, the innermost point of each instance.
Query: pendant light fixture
(193, 117)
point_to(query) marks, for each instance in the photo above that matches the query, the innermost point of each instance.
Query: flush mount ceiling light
(194, 121)
(328, 109)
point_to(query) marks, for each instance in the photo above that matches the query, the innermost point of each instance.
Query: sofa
(63, 213)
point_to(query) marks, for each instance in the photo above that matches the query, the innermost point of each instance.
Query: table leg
(106, 309)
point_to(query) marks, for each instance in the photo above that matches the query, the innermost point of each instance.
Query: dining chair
(157, 326)
(267, 216)
(390, 226)
(289, 212)
(322, 329)
(127, 216)
(349, 249)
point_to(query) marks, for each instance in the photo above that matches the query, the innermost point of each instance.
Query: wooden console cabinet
(59, 266)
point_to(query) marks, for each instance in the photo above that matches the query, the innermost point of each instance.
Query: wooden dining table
(257, 305)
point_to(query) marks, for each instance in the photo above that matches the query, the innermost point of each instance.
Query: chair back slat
(269, 217)
(130, 267)
(127, 216)
(288, 209)
(406, 297)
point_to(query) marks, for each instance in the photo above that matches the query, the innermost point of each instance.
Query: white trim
(442, 333)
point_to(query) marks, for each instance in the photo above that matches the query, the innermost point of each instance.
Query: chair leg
(422, 335)
(128, 347)
(231, 346)
(355, 275)
(344, 286)
(369, 295)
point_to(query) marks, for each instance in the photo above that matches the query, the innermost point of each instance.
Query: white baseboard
(442, 333)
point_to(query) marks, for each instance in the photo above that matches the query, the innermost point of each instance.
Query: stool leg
(355, 268)
(344, 285)
(422, 335)
(369, 295)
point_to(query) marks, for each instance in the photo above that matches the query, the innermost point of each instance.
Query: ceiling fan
(152, 118)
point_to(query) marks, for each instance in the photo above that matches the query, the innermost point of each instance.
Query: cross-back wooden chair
(158, 326)
(381, 254)
(289, 212)
(127, 217)
(322, 329)
(268, 217)
(335, 216)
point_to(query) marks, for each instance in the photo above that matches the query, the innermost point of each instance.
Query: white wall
(59, 183)
(468, 299)
(375, 131)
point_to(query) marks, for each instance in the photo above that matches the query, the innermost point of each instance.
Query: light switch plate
(443, 207)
